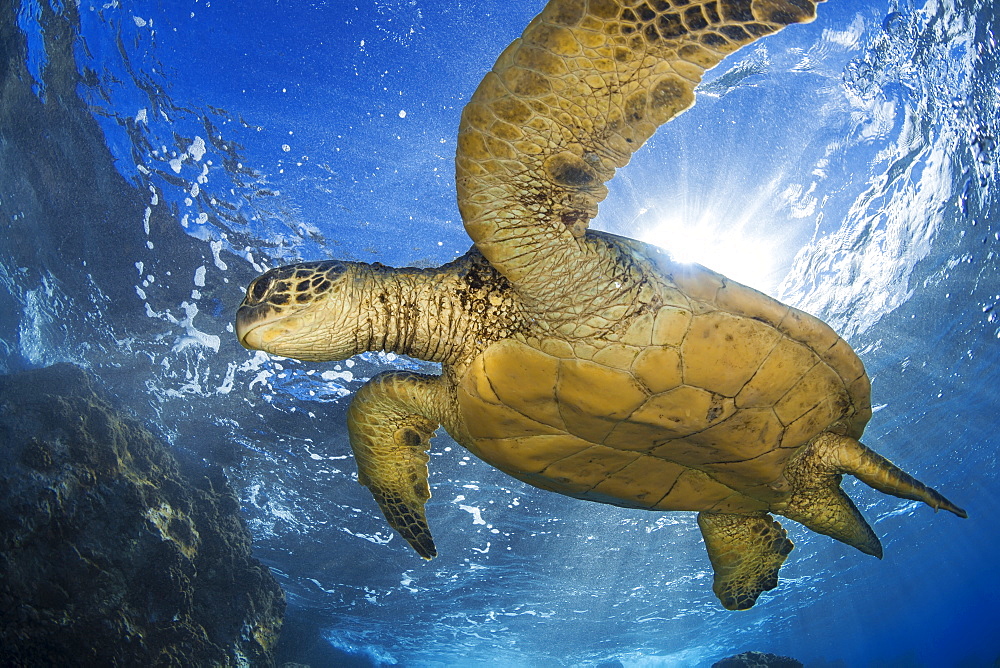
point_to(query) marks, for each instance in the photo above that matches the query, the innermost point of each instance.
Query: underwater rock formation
(757, 660)
(110, 554)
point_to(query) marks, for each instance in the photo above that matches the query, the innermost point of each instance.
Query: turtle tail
(818, 502)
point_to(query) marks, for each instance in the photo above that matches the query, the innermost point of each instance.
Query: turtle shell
(695, 403)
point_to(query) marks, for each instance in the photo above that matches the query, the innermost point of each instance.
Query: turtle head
(301, 310)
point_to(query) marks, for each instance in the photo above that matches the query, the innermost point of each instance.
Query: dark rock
(109, 555)
(757, 660)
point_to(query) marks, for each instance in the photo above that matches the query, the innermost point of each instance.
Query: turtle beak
(256, 311)
(281, 302)
(249, 318)
(259, 325)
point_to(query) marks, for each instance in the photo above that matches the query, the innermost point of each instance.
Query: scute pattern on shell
(715, 392)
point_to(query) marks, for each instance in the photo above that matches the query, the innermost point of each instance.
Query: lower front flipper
(746, 552)
(390, 434)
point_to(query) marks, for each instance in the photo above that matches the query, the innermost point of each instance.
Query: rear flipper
(390, 434)
(817, 501)
(746, 552)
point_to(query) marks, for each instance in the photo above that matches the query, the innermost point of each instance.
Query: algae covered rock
(110, 554)
(757, 660)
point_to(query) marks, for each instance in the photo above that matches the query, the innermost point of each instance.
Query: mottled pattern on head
(295, 283)
(285, 290)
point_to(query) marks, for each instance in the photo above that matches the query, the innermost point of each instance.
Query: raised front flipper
(746, 552)
(390, 423)
(570, 101)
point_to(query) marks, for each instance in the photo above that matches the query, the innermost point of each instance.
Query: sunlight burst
(726, 246)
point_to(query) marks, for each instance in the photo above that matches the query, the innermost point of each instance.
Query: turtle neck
(446, 314)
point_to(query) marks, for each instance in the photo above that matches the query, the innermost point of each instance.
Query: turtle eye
(258, 288)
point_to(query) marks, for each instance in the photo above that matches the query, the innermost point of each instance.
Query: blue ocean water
(848, 167)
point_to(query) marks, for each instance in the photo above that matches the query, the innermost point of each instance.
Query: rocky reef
(757, 660)
(110, 553)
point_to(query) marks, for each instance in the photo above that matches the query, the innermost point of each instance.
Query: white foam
(227, 383)
(216, 247)
(192, 335)
(337, 375)
(376, 538)
(197, 148)
(477, 514)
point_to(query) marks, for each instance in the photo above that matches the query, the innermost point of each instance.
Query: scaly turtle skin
(581, 362)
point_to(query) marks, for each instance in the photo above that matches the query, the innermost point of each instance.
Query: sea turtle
(581, 362)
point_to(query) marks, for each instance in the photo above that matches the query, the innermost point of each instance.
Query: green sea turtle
(585, 363)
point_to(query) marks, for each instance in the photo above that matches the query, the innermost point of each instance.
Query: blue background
(848, 167)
